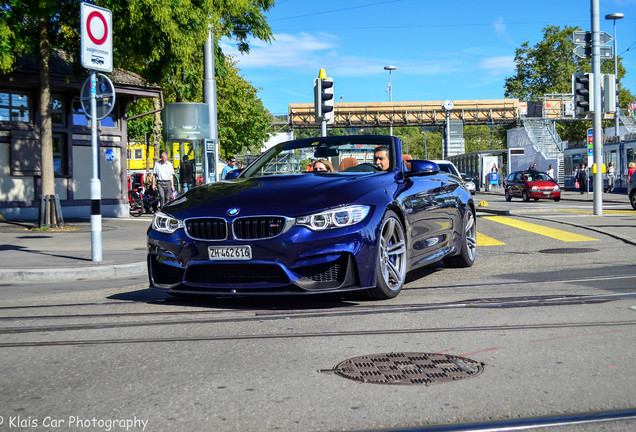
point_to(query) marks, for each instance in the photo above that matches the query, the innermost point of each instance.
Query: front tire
(508, 196)
(390, 265)
(525, 196)
(468, 248)
(632, 199)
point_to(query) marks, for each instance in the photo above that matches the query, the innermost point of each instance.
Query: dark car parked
(280, 228)
(531, 184)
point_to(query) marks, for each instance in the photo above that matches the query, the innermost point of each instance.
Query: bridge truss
(362, 114)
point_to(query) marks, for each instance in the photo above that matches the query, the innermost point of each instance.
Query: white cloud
(498, 65)
(500, 27)
(286, 51)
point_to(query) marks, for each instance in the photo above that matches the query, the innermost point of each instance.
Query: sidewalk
(47, 256)
(54, 256)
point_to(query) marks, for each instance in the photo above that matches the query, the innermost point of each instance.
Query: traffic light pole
(598, 131)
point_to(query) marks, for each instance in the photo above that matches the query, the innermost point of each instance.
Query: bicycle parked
(136, 202)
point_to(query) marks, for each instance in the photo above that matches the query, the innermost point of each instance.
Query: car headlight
(534, 188)
(166, 224)
(555, 188)
(334, 218)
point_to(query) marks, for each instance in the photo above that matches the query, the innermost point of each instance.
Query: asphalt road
(549, 311)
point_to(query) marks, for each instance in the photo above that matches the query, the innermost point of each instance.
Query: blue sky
(442, 49)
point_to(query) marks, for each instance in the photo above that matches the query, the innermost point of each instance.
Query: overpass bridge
(358, 114)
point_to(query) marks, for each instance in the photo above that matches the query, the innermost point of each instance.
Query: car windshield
(536, 176)
(330, 155)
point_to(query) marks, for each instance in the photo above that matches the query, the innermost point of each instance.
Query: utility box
(186, 127)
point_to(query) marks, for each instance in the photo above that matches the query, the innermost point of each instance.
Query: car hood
(291, 195)
(544, 184)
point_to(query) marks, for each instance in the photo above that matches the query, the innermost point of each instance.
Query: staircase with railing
(547, 141)
(628, 121)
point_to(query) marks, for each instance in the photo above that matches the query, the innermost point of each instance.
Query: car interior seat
(405, 158)
(347, 162)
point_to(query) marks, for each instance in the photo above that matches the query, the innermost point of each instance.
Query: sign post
(96, 54)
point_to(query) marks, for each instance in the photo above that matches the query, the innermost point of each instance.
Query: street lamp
(390, 90)
(614, 17)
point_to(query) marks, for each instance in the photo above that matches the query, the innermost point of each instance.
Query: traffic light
(583, 90)
(323, 98)
(609, 93)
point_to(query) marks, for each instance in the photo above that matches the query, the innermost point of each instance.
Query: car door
(518, 185)
(428, 224)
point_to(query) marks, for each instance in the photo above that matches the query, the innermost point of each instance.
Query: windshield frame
(336, 148)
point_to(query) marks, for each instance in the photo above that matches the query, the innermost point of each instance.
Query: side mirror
(422, 167)
(233, 174)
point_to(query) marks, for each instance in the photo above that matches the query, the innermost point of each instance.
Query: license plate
(230, 252)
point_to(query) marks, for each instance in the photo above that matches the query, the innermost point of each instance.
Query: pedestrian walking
(630, 170)
(611, 176)
(581, 178)
(162, 180)
(551, 171)
(186, 174)
(231, 166)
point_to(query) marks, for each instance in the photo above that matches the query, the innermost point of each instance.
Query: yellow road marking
(484, 240)
(616, 212)
(542, 230)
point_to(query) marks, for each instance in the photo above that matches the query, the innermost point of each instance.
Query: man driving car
(381, 157)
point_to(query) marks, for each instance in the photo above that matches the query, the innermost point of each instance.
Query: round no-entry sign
(97, 38)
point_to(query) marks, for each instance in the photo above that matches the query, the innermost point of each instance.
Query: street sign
(96, 30)
(110, 155)
(585, 51)
(581, 37)
(583, 41)
(604, 37)
(104, 97)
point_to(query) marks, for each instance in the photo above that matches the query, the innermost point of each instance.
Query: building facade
(20, 181)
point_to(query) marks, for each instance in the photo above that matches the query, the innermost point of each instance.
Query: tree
(36, 28)
(161, 40)
(548, 67)
(243, 121)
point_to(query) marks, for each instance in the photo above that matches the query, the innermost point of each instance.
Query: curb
(20, 276)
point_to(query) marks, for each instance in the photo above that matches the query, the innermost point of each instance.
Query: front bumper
(298, 262)
(544, 194)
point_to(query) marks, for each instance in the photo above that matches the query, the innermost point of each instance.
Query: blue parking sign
(494, 178)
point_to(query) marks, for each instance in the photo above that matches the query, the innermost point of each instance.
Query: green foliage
(142, 126)
(243, 121)
(548, 67)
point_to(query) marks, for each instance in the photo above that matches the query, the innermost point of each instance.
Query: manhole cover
(568, 250)
(407, 368)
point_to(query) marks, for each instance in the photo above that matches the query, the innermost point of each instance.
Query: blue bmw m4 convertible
(311, 216)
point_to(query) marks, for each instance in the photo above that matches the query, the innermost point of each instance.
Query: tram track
(175, 301)
(264, 315)
(321, 334)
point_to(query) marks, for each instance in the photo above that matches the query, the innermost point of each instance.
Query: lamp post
(614, 17)
(390, 90)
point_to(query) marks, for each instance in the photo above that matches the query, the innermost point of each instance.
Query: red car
(532, 184)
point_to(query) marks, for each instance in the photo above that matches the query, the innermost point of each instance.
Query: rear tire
(508, 196)
(390, 263)
(632, 199)
(468, 249)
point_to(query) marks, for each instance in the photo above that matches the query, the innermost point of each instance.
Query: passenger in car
(322, 165)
